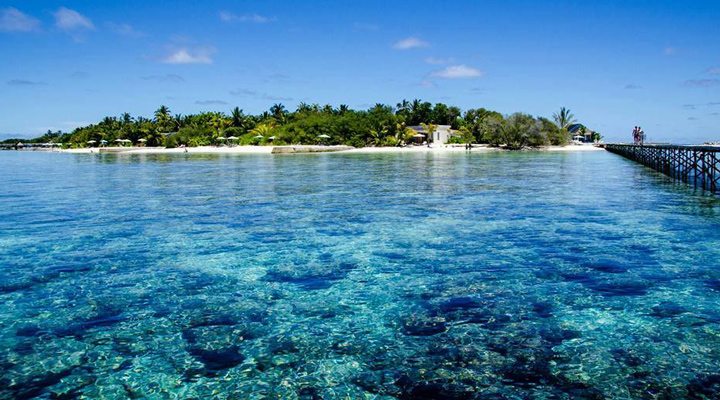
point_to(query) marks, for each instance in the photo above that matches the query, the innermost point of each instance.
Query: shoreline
(305, 149)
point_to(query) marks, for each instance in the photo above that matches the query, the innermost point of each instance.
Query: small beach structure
(581, 132)
(441, 135)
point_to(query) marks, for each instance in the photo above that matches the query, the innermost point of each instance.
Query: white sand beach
(310, 149)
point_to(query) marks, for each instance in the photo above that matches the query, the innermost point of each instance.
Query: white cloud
(227, 16)
(410, 43)
(713, 71)
(211, 102)
(427, 83)
(24, 82)
(13, 20)
(124, 30)
(702, 83)
(164, 78)
(70, 20)
(438, 61)
(362, 26)
(457, 72)
(188, 56)
(258, 95)
(669, 51)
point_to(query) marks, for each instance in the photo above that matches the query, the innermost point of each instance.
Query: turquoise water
(426, 276)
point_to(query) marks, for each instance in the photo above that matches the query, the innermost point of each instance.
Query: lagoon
(378, 276)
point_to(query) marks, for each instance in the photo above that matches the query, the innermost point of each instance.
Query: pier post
(679, 162)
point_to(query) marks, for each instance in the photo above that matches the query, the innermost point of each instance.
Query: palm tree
(179, 120)
(219, 123)
(403, 107)
(303, 107)
(343, 109)
(238, 118)
(377, 136)
(278, 112)
(126, 118)
(564, 118)
(430, 130)
(263, 129)
(163, 118)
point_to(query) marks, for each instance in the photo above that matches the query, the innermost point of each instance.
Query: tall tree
(163, 119)
(429, 130)
(238, 118)
(279, 112)
(564, 118)
(126, 118)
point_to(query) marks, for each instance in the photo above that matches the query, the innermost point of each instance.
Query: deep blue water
(456, 276)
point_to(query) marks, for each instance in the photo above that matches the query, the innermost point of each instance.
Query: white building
(440, 136)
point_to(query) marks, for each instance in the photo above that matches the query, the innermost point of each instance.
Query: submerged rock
(78, 329)
(34, 385)
(704, 387)
(460, 303)
(438, 391)
(627, 357)
(713, 284)
(609, 267)
(310, 277)
(442, 389)
(219, 359)
(667, 309)
(309, 393)
(555, 335)
(614, 288)
(543, 309)
(424, 326)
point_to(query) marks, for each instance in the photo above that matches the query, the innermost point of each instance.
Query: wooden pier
(696, 165)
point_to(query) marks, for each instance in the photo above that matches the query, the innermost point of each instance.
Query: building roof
(419, 128)
(575, 128)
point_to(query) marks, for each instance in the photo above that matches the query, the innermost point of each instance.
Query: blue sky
(615, 64)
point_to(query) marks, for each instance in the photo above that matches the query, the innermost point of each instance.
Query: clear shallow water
(544, 275)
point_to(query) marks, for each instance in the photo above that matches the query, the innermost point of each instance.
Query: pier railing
(696, 165)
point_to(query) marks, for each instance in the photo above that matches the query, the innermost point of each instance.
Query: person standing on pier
(635, 135)
(641, 135)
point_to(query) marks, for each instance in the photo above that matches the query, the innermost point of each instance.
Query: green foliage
(491, 130)
(555, 135)
(564, 118)
(481, 123)
(380, 125)
(191, 136)
(520, 130)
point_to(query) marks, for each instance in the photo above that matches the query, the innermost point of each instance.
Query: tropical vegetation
(380, 125)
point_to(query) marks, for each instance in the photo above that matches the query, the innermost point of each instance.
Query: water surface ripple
(411, 276)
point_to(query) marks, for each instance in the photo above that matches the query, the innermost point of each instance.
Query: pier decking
(696, 165)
